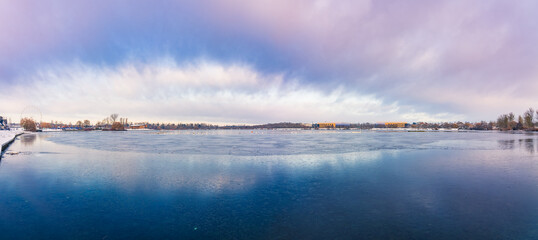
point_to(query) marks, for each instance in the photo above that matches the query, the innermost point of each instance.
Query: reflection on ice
(169, 172)
(276, 142)
(506, 144)
(528, 144)
(28, 138)
(214, 173)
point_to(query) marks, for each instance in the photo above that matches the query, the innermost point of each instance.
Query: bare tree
(511, 121)
(503, 122)
(114, 116)
(520, 123)
(528, 116)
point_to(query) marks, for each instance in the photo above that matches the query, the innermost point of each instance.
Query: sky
(263, 61)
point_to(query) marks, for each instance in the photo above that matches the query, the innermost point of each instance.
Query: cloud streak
(204, 91)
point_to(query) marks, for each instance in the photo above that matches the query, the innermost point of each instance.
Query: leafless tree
(528, 116)
(114, 116)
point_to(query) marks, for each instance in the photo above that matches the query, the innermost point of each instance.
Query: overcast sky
(269, 61)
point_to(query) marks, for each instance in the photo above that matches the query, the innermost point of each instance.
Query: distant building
(139, 126)
(324, 125)
(395, 124)
(3, 123)
(343, 125)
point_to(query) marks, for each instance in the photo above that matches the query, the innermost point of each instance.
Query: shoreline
(7, 137)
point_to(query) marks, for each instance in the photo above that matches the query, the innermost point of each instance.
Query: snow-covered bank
(7, 136)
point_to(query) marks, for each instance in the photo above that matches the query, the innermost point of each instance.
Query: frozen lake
(270, 184)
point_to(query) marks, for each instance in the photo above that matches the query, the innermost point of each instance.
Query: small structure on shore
(138, 126)
(3, 124)
(396, 124)
(324, 125)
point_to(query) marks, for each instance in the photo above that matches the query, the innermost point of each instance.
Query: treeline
(195, 126)
(180, 126)
(509, 122)
(281, 125)
(111, 124)
(504, 122)
(483, 125)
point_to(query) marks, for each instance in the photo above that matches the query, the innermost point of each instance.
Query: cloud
(469, 59)
(163, 90)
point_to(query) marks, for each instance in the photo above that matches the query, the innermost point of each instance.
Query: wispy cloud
(163, 90)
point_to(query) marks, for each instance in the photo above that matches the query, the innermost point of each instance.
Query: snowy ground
(7, 136)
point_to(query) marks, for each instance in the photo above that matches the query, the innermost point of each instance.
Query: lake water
(269, 184)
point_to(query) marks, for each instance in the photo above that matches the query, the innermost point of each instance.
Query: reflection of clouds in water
(458, 144)
(216, 174)
(177, 172)
(273, 142)
(206, 173)
(218, 183)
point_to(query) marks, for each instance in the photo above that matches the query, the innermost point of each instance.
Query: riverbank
(7, 137)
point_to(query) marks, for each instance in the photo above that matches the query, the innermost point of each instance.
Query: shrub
(28, 124)
(117, 126)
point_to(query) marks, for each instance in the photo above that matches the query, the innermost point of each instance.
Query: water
(270, 185)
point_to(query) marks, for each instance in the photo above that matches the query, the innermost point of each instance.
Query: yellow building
(326, 125)
(138, 126)
(395, 124)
